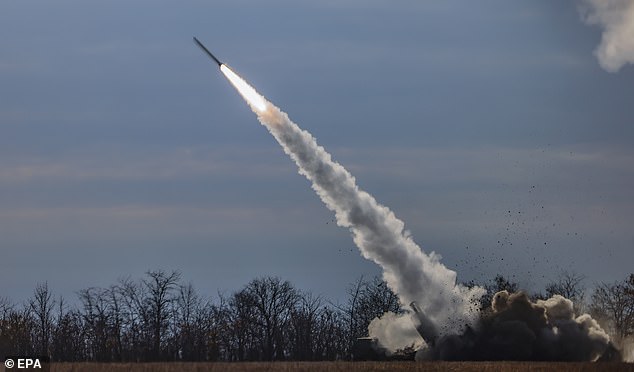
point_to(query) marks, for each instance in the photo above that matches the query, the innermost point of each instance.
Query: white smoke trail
(379, 235)
(617, 42)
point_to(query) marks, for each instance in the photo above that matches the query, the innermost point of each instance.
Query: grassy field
(343, 366)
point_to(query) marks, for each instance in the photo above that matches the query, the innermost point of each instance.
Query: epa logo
(26, 363)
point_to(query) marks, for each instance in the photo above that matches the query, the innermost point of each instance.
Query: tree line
(160, 318)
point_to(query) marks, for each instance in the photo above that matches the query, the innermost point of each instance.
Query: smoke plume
(412, 274)
(616, 17)
(519, 329)
(445, 313)
(395, 332)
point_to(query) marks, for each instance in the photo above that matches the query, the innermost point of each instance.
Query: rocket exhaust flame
(256, 101)
(253, 98)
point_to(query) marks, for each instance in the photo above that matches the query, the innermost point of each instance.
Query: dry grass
(343, 366)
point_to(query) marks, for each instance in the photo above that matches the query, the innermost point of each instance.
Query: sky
(501, 134)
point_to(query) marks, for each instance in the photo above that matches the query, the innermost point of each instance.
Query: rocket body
(207, 51)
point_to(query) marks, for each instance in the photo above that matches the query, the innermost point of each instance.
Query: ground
(344, 366)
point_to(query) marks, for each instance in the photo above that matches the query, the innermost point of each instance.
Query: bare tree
(330, 336)
(67, 343)
(350, 311)
(377, 299)
(499, 283)
(615, 303)
(210, 330)
(243, 332)
(304, 322)
(41, 306)
(17, 332)
(135, 321)
(367, 300)
(155, 318)
(96, 319)
(115, 308)
(318, 331)
(159, 285)
(569, 285)
(187, 327)
(216, 337)
(261, 313)
(5, 308)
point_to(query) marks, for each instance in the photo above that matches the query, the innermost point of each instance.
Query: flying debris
(207, 51)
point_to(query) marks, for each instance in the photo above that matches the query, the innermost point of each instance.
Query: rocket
(208, 52)
(253, 98)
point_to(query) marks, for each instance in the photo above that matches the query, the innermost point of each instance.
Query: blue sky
(491, 130)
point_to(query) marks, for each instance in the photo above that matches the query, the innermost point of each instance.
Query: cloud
(616, 17)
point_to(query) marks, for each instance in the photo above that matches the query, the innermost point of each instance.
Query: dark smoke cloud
(515, 328)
